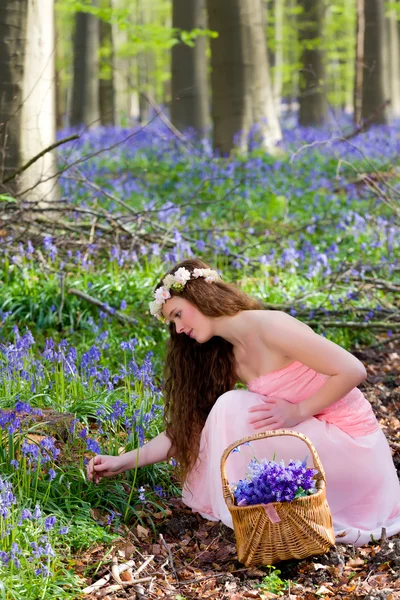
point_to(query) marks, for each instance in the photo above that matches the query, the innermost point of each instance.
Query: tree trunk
(292, 58)
(85, 95)
(38, 118)
(313, 101)
(241, 88)
(189, 83)
(348, 75)
(264, 114)
(278, 71)
(373, 96)
(359, 70)
(106, 79)
(121, 72)
(28, 97)
(13, 23)
(144, 61)
(394, 64)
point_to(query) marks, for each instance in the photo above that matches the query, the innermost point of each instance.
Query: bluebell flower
(93, 446)
(49, 523)
(37, 513)
(142, 497)
(63, 530)
(269, 481)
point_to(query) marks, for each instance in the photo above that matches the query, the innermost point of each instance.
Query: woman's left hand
(274, 413)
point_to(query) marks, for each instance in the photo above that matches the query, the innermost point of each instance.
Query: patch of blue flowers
(269, 481)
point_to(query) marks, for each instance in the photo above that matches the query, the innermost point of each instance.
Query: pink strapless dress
(363, 489)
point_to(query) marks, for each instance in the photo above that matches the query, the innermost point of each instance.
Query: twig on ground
(108, 309)
(171, 559)
(143, 565)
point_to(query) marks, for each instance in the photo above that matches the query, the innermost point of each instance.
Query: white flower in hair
(169, 280)
(182, 275)
(209, 274)
(155, 308)
(162, 294)
(177, 281)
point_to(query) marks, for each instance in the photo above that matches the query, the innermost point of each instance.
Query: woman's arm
(157, 450)
(296, 340)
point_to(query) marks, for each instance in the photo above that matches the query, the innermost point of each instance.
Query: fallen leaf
(126, 576)
(324, 590)
(129, 549)
(318, 566)
(142, 532)
(355, 562)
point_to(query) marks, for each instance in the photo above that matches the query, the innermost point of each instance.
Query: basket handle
(229, 498)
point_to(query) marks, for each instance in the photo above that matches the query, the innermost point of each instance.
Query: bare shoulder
(275, 320)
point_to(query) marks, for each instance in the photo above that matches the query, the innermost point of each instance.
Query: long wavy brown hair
(197, 374)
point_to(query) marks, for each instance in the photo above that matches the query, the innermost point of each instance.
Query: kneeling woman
(295, 380)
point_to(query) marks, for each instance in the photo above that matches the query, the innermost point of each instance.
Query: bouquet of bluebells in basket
(269, 481)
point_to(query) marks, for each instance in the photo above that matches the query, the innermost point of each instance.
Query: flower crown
(177, 282)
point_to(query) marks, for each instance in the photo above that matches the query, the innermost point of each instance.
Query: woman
(296, 380)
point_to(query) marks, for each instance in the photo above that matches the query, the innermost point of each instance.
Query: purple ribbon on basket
(271, 513)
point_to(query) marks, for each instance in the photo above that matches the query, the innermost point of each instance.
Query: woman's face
(188, 319)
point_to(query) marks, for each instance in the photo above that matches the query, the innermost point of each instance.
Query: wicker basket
(305, 526)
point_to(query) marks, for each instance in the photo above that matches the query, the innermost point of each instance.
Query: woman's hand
(104, 466)
(275, 413)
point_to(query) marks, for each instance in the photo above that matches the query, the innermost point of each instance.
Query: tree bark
(13, 23)
(278, 71)
(189, 83)
(349, 79)
(241, 89)
(359, 70)
(122, 74)
(313, 101)
(394, 63)
(27, 98)
(144, 63)
(38, 114)
(85, 96)
(106, 79)
(264, 114)
(373, 96)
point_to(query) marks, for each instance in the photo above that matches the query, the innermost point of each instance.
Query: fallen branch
(108, 309)
(42, 153)
(354, 325)
(116, 570)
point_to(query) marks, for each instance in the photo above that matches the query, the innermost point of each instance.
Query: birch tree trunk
(27, 92)
(373, 96)
(85, 96)
(313, 101)
(38, 118)
(13, 23)
(189, 83)
(241, 88)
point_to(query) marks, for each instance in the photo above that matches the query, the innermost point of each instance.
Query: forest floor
(196, 559)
